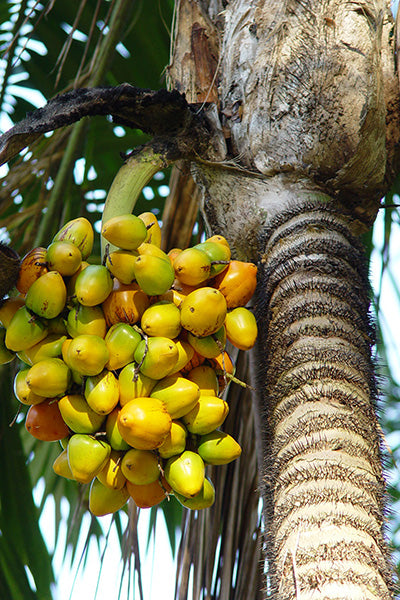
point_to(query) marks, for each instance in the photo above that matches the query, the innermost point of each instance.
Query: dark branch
(160, 113)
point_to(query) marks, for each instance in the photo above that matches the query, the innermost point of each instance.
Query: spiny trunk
(322, 473)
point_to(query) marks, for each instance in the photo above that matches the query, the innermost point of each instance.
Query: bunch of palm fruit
(125, 362)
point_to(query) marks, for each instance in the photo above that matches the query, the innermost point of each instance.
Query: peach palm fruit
(121, 340)
(210, 345)
(22, 390)
(44, 421)
(154, 274)
(125, 304)
(203, 311)
(63, 257)
(47, 295)
(80, 233)
(8, 309)
(185, 354)
(133, 384)
(178, 394)
(24, 330)
(237, 283)
(121, 263)
(114, 437)
(192, 266)
(104, 500)
(111, 474)
(218, 448)
(218, 253)
(140, 466)
(33, 266)
(153, 228)
(6, 355)
(93, 285)
(185, 473)
(48, 347)
(162, 319)
(86, 320)
(78, 415)
(102, 392)
(208, 414)
(151, 494)
(61, 465)
(203, 499)
(157, 357)
(125, 231)
(86, 456)
(87, 354)
(241, 328)
(49, 377)
(144, 423)
(206, 379)
(175, 442)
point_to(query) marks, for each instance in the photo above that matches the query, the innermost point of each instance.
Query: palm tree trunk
(322, 476)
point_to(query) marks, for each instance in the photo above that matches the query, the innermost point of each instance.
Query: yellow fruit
(49, 377)
(208, 414)
(219, 239)
(49, 347)
(140, 466)
(178, 394)
(114, 437)
(162, 319)
(153, 228)
(86, 456)
(104, 500)
(78, 415)
(33, 266)
(203, 311)
(121, 340)
(61, 466)
(63, 257)
(144, 423)
(154, 274)
(86, 320)
(157, 357)
(121, 263)
(153, 249)
(125, 231)
(210, 345)
(241, 328)
(22, 390)
(218, 253)
(175, 442)
(80, 233)
(87, 354)
(218, 448)
(204, 499)
(125, 304)
(9, 308)
(111, 475)
(192, 266)
(206, 379)
(185, 354)
(93, 285)
(24, 331)
(185, 473)
(102, 392)
(133, 384)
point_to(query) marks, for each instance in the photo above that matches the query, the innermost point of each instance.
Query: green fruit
(175, 442)
(80, 233)
(112, 432)
(24, 331)
(49, 377)
(178, 394)
(125, 231)
(47, 295)
(203, 311)
(63, 257)
(218, 448)
(93, 285)
(154, 274)
(133, 384)
(86, 456)
(204, 499)
(185, 473)
(140, 466)
(208, 414)
(162, 319)
(192, 266)
(121, 340)
(158, 359)
(86, 320)
(49, 347)
(209, 346)
(104, 500)
(87, 354)
(217, 253)
(78, 415)
(102, 392)
(6, 355)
